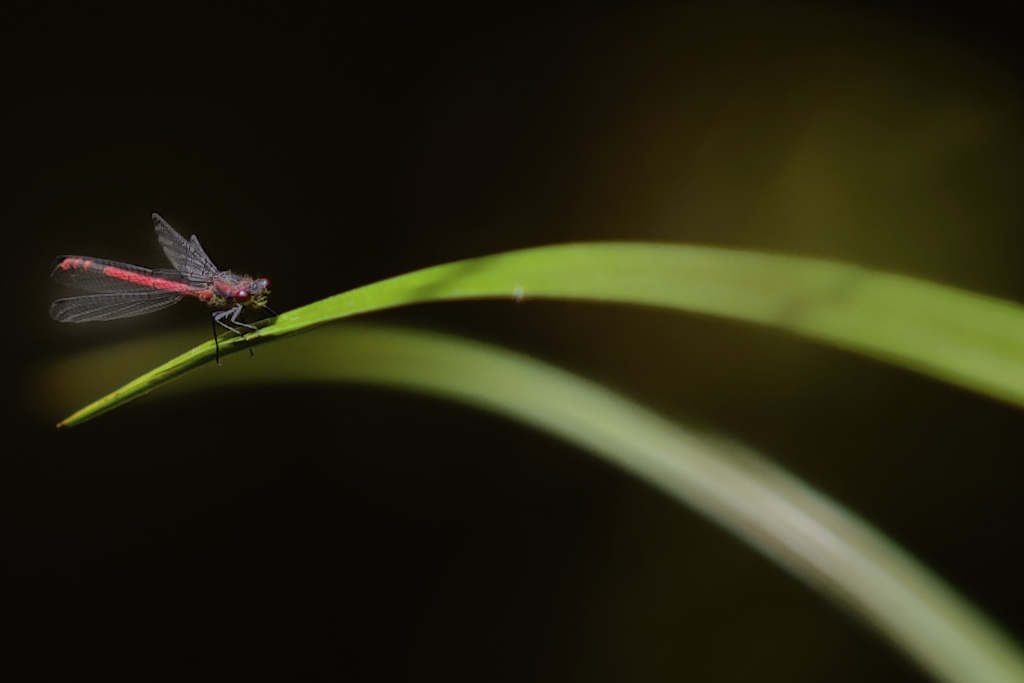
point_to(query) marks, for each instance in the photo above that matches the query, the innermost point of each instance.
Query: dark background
(397, 537)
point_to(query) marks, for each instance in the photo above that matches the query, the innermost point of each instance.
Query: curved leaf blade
(968, 339)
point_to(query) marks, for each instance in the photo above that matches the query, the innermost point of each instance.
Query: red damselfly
(123, 290)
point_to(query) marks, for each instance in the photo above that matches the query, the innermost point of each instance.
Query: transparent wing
(96, 307)
(187, 256)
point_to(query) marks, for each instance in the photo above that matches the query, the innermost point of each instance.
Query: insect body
(121, 290)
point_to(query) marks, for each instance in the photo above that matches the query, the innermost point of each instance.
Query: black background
(328, 146)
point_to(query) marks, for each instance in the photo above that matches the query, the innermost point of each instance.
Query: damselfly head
(255, 295)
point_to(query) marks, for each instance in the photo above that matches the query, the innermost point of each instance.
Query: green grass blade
(811, 536)
(967, 339)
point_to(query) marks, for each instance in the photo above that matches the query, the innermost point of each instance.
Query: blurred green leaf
(811, 536)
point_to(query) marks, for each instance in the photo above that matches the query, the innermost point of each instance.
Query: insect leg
(232, 317)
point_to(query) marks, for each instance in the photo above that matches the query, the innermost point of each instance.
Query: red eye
(242, 295)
